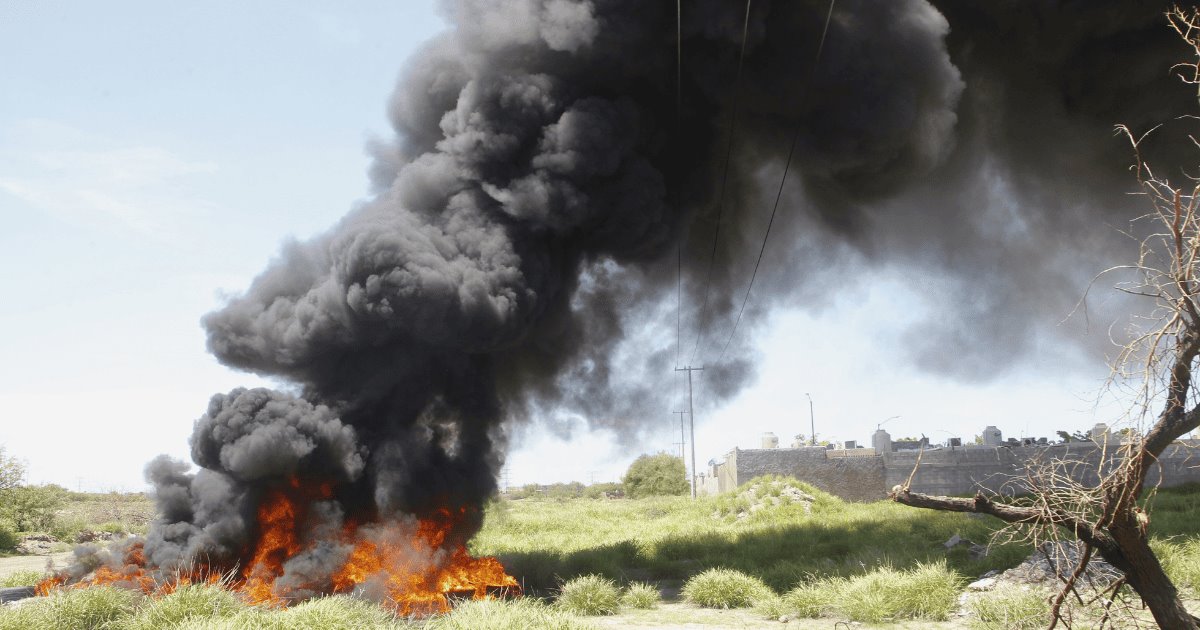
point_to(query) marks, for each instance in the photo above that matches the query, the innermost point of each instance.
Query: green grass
(725, 588)
(197, 601)
(813, 599)
(326, 613)
(661, 538)
(873, 563)
(926, 591)
(518, 614)
(102, 607)
(22, 578)
(590, 595)
(1010, 607)
(642, 596)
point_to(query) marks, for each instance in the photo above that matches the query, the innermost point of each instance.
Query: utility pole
(691, 421)
(682, 442)
(812, 421)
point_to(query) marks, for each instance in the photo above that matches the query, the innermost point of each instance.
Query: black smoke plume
(518, 256)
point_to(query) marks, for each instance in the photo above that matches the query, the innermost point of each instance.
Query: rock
(992, 573)
(784, 619)
(986, 584)
(953, 542)
(87, 536)
(977, 552)
(36, 545)
(1056, 561)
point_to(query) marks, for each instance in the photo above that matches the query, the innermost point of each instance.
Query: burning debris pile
(524, 227)
(268, 522)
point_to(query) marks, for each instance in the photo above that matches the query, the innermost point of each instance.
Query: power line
(779, 193)
(724, 181)
(678, 184)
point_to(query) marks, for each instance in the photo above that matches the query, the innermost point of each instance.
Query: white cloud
(98, 183)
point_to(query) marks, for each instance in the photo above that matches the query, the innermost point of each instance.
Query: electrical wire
(779, 193)
(724, 182)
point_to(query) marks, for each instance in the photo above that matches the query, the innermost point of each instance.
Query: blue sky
(154, 155)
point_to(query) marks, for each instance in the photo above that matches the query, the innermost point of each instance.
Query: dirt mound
(764, 494)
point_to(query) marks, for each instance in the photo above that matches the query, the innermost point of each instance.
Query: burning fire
(407, 565)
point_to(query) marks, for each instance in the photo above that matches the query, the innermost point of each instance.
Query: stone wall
(957, 471)
(855, 479)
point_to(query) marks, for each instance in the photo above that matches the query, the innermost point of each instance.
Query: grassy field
(672, 538)
(587, 563)
(65, 515)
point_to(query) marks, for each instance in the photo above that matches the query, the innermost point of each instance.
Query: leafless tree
(1106, 515)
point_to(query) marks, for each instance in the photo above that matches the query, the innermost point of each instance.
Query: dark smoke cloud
(517, 257)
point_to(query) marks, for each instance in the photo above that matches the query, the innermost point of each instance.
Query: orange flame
(408, 565)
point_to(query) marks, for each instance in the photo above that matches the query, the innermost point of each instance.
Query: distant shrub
(8, 537)
(600, 490)
(113, 527)
(725, 588)
(640, 595)
(67, 528)
(590, 595)
(563, 491)
(32, 508)
(1010, 607)
(656, 475)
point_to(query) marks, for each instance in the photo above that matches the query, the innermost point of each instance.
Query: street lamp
(880, 425)
(812, 421)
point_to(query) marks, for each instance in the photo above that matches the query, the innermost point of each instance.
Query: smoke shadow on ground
(782, 556)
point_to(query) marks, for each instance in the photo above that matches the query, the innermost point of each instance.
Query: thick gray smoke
(518, 255)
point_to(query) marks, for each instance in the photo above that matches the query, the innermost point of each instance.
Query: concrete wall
(958, 471)
(855, 479)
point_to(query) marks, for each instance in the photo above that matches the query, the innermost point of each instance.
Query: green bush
(598, 490)
(1010, 607)
(8, 537)
(32, 508)
(95, 608)
(517, 614)
(67, 529)
(113, 527)
(22, 578)
(725, 588)
(656, 475)
(564, 491)
(590, 595)
(640, 595)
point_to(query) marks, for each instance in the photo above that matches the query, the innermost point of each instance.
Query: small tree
(655, 475)
(12, 472)
(1107, 517)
